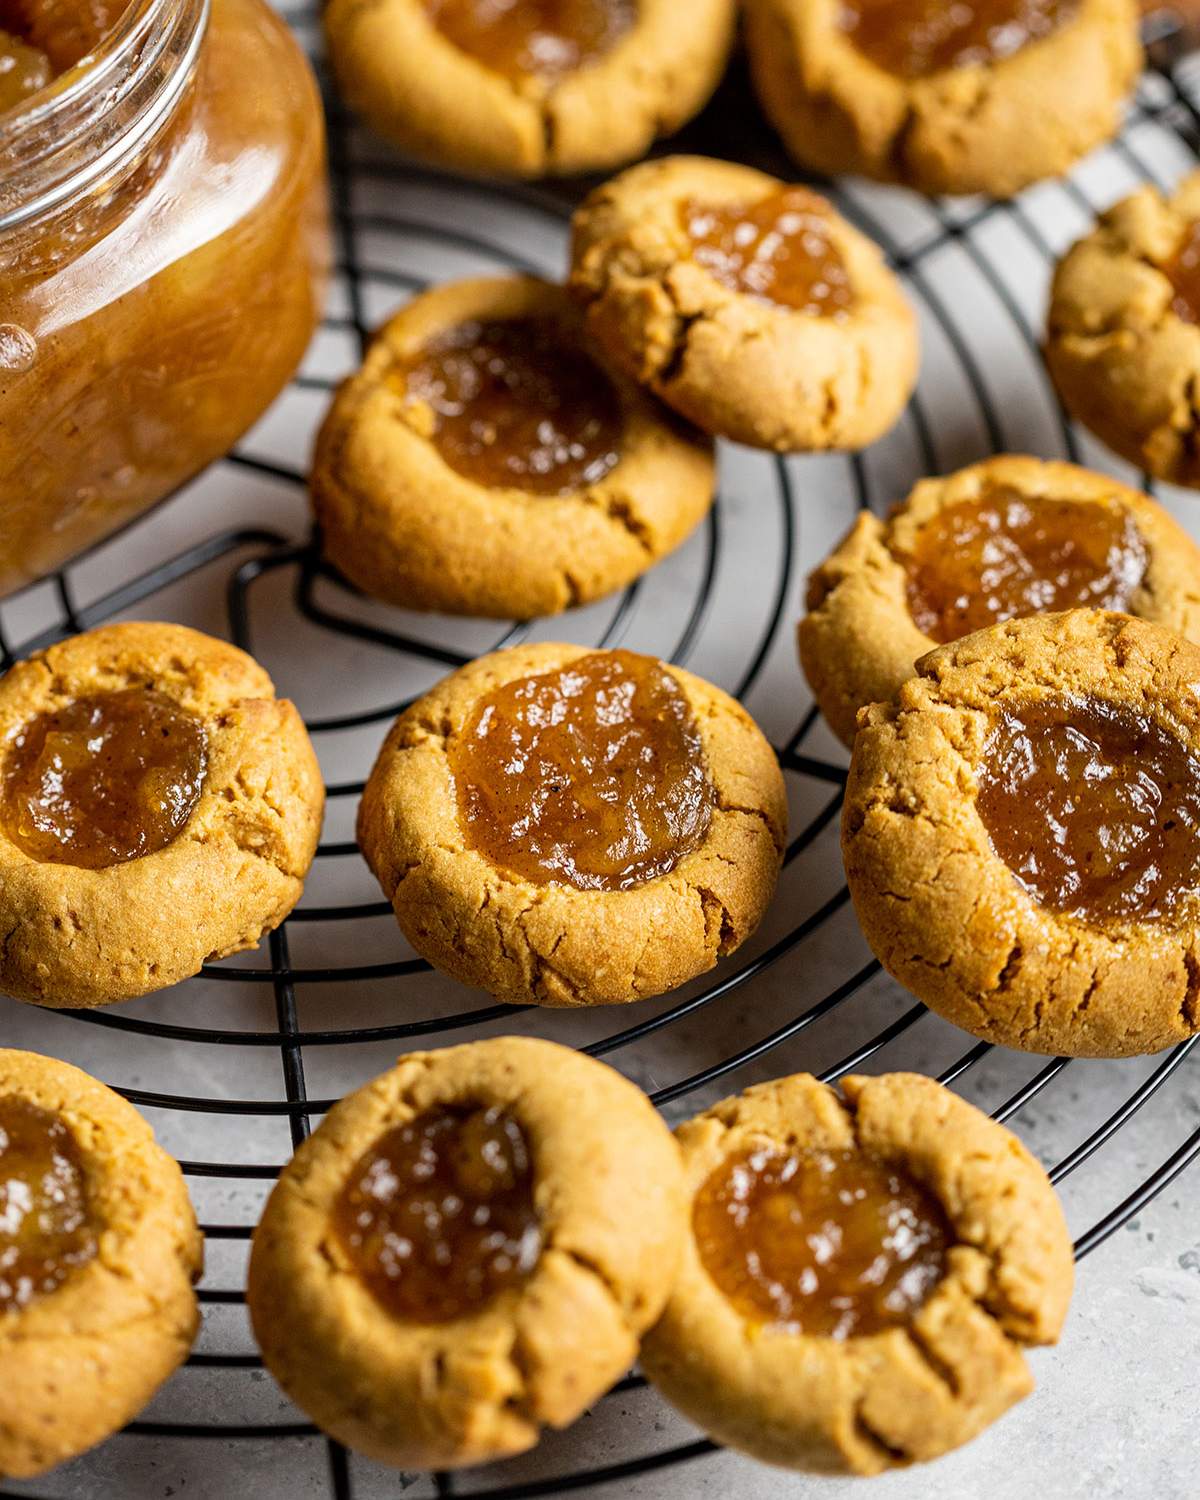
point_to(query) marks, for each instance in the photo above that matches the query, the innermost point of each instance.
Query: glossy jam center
(778, 249)
(1183, 272)
(40, 39)
(829, 1243)
(511, 406)
(914, 38)
(1007, 555)
(45, 1225)
(1093, 807)
(534, 38)
(593, 775)
(104, 779)
(438, 1215)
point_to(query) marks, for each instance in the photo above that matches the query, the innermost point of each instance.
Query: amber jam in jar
(512, 405)
(830, 1243)
(104, 780)
(914, 38)
(438, 1216)
(1094, 807)
(779, 250)
(163, 252)
(593, 775)
(544, 39)
(46, 1225)
(1005, 555)
(1183, 272)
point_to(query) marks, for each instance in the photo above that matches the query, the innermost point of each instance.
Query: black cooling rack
(248, 556)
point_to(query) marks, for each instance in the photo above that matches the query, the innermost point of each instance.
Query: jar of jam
(163, 253)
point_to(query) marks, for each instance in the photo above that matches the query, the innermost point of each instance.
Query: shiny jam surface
(104, 779)
(533, 38)
(438, 1216)
(515, 407)
(1094, 808)
(593, 775)
(914, 38)
(778, 249)
(1006, 555)
(830, 1243)
(1183, 272)
(45, 1225)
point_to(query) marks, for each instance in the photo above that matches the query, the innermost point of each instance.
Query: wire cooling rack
(235, 1066)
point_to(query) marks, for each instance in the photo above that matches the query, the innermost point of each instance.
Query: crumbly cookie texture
(78, 1363)
(737, 366)
(439, 104)
(553, 944)
(1124, 363)
(406, 528)
(990, 128)
(859, 642)
(78, 937)
(608, 1191)
(938, 906)
(870, 1403)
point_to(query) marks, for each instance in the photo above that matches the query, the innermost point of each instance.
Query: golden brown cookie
(550, 1205)
(484, 462)
(1022, 834)
(890, 1341)
(1004, 538)
(568, 827)
(527, 89)
(750, 306)
(979, 98)
(98, 1252)
(159, 807)
(1122, 339)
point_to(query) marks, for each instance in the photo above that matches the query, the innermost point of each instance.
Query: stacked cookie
(1010, 655)
(503, 450)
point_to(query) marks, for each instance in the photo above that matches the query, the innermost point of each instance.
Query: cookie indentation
(545, 39)
(916, 38)
(779, 249)
(514, 407)
(46, 1229)
(438, 1217)
(104, 779)
(829, 1243)
(593, 775)
(1007, 554)
(1094, 807)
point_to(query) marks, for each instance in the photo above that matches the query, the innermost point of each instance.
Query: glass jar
(164, 248)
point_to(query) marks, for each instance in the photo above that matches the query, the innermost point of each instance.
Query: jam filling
(438, 1216)
(46, 1229)
(544, 39)
(835, 1244)
(515, 407)
(593, 775)
(1183, 272)
(1006, 555)
(779, 250)
(104, 780)
(1094, 808)
(39, 39)
(915, 38)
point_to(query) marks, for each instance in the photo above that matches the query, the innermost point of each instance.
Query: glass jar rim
(86, 125)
